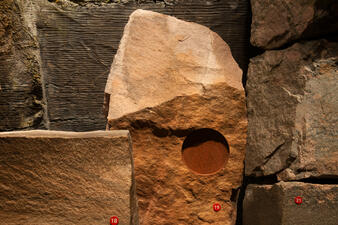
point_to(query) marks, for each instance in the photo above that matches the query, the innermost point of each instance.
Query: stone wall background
(292, 103)
(291, 85)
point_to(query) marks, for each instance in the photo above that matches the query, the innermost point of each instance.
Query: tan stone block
(55, 177)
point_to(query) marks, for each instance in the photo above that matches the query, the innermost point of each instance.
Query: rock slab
(169, 78)
(275, 204)
(51, 177)
(292, 112)
(279, 22)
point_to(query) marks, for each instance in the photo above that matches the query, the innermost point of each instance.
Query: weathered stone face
(292, 108)
(50, 177)
(279, 22)
(275, 204)
(171, 77)
(21, 105)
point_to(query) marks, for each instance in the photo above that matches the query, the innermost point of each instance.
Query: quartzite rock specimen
(276, 204)
(292, 111)
(276, 23)
(170, 77)
(54, 177)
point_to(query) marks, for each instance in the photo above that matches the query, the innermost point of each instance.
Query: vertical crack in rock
(293, 102)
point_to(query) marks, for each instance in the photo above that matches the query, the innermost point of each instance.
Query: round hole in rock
(205, 151)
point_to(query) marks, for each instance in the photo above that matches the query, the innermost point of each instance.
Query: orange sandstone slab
(170, 80)
(55, 177)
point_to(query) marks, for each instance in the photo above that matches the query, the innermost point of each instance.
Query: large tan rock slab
(292, 112)
(280, 22)
(275, 204)
(170, 79)
(54, 177)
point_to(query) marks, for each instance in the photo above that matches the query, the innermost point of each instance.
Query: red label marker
(216, 207)
(114, 220)
(298, 200)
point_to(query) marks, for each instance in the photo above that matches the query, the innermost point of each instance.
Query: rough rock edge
(120, 55)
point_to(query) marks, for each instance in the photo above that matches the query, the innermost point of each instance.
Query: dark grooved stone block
(54, 177)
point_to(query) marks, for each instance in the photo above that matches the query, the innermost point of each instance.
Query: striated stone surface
(21, 97)
(51, 177)
(292, 112)
(275, 204)
(276, 23)
(170, 77)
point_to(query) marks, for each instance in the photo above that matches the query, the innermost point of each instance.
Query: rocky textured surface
(54, 177)
(279, 22)
(292, 108)
(78, 41)
(274, 204)
(21, 103)
(168, 78)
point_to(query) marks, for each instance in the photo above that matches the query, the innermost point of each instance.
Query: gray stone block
(292, 112)
(275, 204)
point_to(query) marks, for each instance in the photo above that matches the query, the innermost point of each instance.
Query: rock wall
(55, 57)
(292, 107)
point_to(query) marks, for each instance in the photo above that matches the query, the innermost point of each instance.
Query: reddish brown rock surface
(279, 22)
(171, 77)
(70, 178)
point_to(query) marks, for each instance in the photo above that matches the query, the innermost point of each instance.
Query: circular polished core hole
(205, 151)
